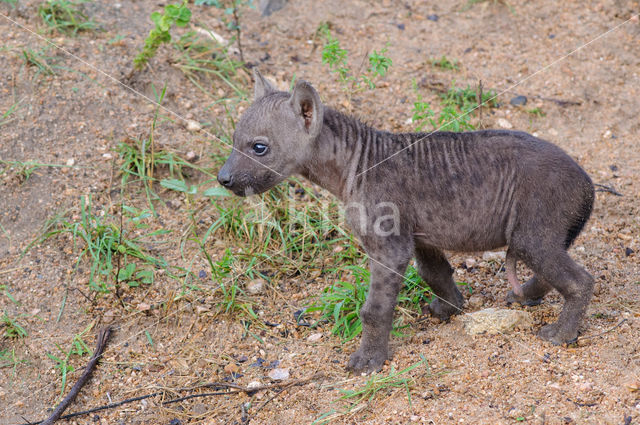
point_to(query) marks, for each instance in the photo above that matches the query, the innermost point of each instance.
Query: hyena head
(273, 138)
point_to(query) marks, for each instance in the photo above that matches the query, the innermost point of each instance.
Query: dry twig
(103, 337)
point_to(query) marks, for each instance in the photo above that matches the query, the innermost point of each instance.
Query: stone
(495, 321)
(476, 301)
(518, 100)
(256, 286)
(231, 368)
(504, 123)
(267, 7)
(632, 384)
(193, 126)
(494, 256)
(254, 384)
(279, 374)
(314, 337)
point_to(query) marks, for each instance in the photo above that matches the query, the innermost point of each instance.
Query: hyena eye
(260, 148)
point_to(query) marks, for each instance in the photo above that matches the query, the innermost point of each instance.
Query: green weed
(337, 58)
(233, 297)
(12, 329)
(203, 59)
(457, 108)
(341, 302)
(470, 4)
(103, 241)
(77, 348)
(537, 112)
(174, 14)
(9, 359)
(6, 293)
(445, 63)
(6, 117)
(65, 16)
(377, 385)
(231, 18)
(39, 61)
(24, 170)
(289, 220)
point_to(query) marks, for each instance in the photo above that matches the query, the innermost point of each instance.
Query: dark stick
(479, 95)
(608, 189)
(236, 389)
(189, 397)
(99, 408)
(103, 337)
(237, 25)
(582, 338)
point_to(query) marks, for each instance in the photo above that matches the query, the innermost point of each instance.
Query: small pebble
(231, 368)
(632, 384)
(201, 309)
(279, 374)
(193, 125)
(256, 286)
(470, 262)
(191, 156)
(400, 27)
(71, 162)
(144, 307)
(314, 337)
(476, 301)
(433, 17)
(202, 274)
(494, 256)
(504, 123)
(585, 386)
(628, 251)
(518, 101)
(254, 384)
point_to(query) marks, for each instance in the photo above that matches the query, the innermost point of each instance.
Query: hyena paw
(530, 302)
(443, 310)
(557, 335)
(367, 361)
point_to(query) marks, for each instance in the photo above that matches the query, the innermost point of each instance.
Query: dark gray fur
(469, 191)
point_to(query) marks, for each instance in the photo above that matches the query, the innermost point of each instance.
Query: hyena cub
(470, 191)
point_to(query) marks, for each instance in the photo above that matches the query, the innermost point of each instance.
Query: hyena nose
(225, 179)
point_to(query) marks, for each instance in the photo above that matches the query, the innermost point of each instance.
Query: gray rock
(518, 101)
(267, 7)
(493, 321)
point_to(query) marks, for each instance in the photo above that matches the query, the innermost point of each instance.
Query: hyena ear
(306, 104)
(263, 86)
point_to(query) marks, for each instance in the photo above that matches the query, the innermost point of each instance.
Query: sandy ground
(557, 54)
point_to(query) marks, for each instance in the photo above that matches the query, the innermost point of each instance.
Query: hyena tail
(583, 217)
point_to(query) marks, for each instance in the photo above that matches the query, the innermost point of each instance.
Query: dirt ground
(171, 334)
